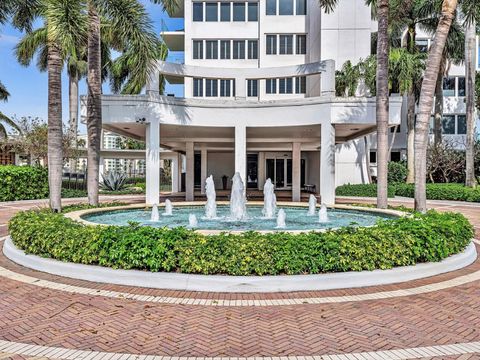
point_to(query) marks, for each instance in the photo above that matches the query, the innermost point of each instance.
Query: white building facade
(259, 85)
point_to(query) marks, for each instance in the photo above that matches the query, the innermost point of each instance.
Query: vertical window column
(198, 11)
(252, 88)
(238, 11)
(301, 44)
(198, 49)
(197, 87)
(211, 11)
(239, 49)
(271, 44)
(211, 87)
(286, 44)
(211, 47)
(252, 49)
(225, 49)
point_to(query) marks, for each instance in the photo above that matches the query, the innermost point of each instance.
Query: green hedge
(361, 190)
(442, 192)
(457, 192)
(399, 242)
(23, 183)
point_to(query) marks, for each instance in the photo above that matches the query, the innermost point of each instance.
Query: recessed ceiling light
(355, 129)
(126, 128)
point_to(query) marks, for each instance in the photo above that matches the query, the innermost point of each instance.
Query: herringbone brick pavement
(30, 314)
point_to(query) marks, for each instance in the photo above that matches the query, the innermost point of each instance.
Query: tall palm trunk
(382, 104)
(411, 101)
(438, 112)
(426, 101)
(411, 136)
(94, 105)
(55, 131)
(470, 58)
(73, 111)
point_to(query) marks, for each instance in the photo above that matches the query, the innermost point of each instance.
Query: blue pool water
(296, 218)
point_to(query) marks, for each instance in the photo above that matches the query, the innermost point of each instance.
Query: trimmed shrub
(361, 190)
(391, 243)
(397, 172)
(456, 192)
(23, 183)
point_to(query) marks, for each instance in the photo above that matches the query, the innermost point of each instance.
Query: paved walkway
(50, 317)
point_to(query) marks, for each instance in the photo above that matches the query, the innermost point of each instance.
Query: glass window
(224, 49)
(211, 11)
(239, 11)
(285, 7)
(271, 44)
(271, 86)
(211, 47)
(197, 11)
(198, 49)
(301, 85)
(225, 12)
(271, 7)
(373, 157)
(301, 44)
(461, 124)
(211, 87)
(285, 86)
(252, 11)
(225, 88)
(449, 86)
(286, 44)
(448, 124)
(461, 86)
(252, 88)
(395, 156)
(301, 8)
(252, 49)
(422, 45)
(197, 87)
(239, 49)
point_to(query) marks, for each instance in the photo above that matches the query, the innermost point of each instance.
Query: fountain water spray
(281, 219)
(211, 206)
(269, 200)
(192, 221)
(322, 214)
(238, 209)
(312, 205)
(168, 208)
(155, 216)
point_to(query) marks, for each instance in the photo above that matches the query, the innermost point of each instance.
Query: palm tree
(471, 11)
(435, 56)
(64, 25)
(4, 119)
(141, 46)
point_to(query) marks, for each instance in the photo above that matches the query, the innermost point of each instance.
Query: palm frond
(30, 44)
(25, 12)
(328, 5)
(168, 5)
(4, 94)
(4, 119)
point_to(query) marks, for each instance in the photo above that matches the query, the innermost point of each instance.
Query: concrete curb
(238, 284)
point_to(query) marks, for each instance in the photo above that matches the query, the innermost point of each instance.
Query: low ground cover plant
(452, 191)
(398, 242)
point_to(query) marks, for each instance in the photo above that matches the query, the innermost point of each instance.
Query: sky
(28, 87)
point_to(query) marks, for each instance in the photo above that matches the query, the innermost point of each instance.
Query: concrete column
(152, 159)
(327, 79)
(101, 167)
(204, 162)
(189, 176)
(296, 171)
(241, 151)
(175, 165)
(327, 164)
(261, 170)
(180, 170)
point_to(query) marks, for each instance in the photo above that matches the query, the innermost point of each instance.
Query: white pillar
(241, 151)
(152, 159)
(327, 164)
(189, 176)
(296, 171)
(261, 170)
(181, 168)
(101, 167)
(204, 162)
(175, 165)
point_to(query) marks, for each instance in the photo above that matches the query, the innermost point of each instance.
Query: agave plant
(114, 181)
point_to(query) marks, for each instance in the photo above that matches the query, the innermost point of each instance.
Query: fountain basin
(296, 217)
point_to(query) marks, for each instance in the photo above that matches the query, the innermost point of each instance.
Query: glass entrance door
(279, 170)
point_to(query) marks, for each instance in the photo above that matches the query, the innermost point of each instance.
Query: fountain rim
(78, 215)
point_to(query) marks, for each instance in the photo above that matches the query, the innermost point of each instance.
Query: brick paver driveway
(38, 321)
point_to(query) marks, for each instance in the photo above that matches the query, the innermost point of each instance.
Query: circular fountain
(236, 215)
